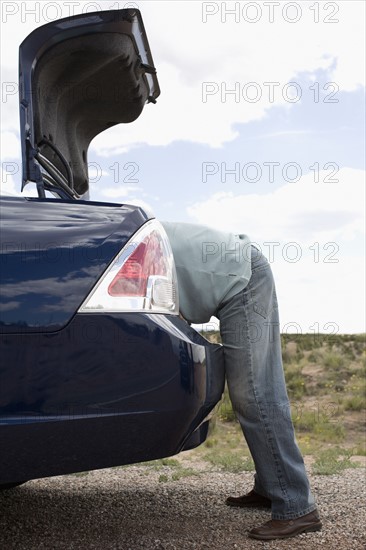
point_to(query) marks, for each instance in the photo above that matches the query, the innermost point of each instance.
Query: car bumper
(107, 390)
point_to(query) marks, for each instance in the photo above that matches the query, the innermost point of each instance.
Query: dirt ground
(130, 509)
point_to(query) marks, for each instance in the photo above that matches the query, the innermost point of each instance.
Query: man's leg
(249, 327)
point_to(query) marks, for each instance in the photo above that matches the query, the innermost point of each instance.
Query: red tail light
(148, 259)
(141, 278)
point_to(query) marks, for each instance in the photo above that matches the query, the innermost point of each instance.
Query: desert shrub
(230, 461)
(224, 409)
(355, 403)
(334, 361)
(333, 461)
(295, 382)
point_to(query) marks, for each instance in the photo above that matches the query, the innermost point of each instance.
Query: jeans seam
(269, 435)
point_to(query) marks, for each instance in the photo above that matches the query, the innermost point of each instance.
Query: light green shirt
(212, 266)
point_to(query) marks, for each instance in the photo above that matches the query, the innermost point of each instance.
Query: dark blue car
(97, 367)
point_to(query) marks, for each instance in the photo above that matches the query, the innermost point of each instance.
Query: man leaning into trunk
(223, 275)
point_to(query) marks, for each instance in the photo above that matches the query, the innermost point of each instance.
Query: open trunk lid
(79, 76)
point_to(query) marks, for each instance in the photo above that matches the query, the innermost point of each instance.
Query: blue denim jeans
(249, 327)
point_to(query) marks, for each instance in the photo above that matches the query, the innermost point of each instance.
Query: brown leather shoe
(283, 529)
(251, 500)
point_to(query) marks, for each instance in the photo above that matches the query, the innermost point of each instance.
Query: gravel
(130, 509)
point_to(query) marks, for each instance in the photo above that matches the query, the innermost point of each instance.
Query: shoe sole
(310, 529)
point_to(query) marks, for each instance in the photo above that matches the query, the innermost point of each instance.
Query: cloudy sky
(259, 129)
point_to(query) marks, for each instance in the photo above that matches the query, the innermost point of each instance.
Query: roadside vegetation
(326, 383)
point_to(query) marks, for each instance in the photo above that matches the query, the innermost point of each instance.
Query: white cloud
(118, 192)
(10, 146)
(95, 173)
(122, 194)
(8, 187)
(313, 234)
(108, 149)
(303, 210)
(314, 293)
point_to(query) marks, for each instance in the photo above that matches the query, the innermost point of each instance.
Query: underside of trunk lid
(78, 77)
